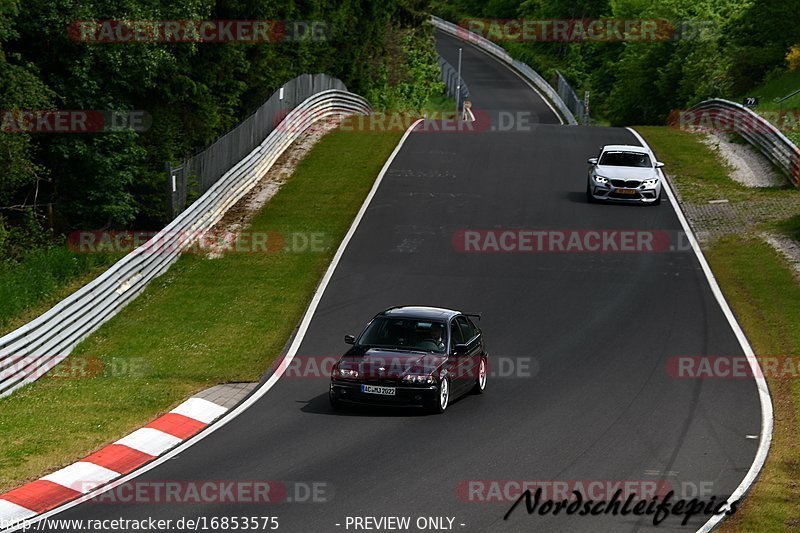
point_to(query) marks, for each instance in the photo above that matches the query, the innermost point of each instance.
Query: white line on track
(761, 383)
(266, 386)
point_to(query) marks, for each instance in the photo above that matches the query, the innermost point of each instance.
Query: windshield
(405, 334)
(625, 159)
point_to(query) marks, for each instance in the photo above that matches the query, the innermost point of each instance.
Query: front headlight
(418, 378)
(650, 182)
(345, 373)
(600, 179)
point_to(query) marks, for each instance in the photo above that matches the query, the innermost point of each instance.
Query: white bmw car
(624, 173)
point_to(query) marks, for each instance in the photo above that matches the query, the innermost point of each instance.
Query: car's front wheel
(480, 380)
(443, 398)
(589, 197)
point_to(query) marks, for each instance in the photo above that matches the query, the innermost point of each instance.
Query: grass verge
(698, 171)
(206, 321)
(765, 297)
(763, 293)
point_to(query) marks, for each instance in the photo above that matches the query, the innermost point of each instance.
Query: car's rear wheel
(443, 398)
(483, 375)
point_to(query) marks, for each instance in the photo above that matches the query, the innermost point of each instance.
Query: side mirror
(459, 349)
(350, 339)
(659, 164)
(592, 160)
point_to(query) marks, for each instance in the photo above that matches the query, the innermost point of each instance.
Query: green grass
(440, 107)
(440, 102)
(204, 322)
(765, 296)
(40, 278)
(790, 227)
(778, 86)
(698, 170)
(700, 173)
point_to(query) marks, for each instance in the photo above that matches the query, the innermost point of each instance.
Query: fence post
(171, 188)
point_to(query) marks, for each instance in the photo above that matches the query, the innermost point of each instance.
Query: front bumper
(350, 391)
(611, 193)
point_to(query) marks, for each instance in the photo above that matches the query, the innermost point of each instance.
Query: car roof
(625, 148)
(420, 311)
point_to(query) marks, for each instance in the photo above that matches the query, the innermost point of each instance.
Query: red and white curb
(236, 408)
(111, 462)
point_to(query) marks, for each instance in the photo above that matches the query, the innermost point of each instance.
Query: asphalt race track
(589, 337)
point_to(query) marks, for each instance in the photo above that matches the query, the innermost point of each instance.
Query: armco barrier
(499, 52)
(30, 351)
(754, 128)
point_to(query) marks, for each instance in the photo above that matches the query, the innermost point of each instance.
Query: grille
(633, 184)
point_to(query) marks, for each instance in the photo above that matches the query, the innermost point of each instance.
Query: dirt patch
(748, 166)
(238, 217)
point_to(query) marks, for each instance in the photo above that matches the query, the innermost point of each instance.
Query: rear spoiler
(473, 315)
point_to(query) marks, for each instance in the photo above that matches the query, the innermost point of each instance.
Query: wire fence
(453, 84)
(571, 100)
(31, 351)
(195, 175)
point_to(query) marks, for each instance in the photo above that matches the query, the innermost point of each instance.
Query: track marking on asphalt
(761, 383)
(139, 443)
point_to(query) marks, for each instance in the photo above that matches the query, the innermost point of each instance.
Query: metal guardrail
(195, 175)
(452, 83)
(30, 351)
(784, 98)
(754, 128)
(500, 53)
(571, 100)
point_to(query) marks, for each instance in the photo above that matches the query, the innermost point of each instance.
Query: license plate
(626, 191)
(373, 389)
